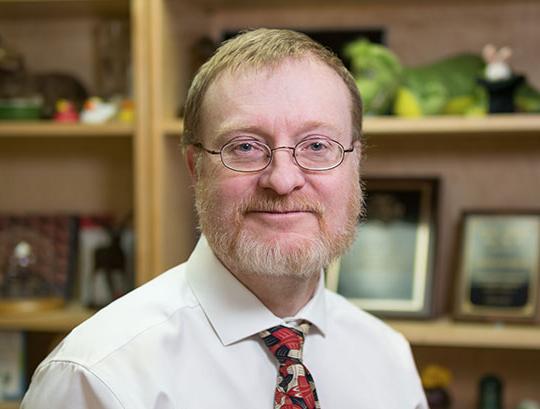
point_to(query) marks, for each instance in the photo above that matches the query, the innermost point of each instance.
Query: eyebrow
(224, 132)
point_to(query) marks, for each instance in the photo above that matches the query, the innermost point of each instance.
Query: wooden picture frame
(498, 266)
(389, 268)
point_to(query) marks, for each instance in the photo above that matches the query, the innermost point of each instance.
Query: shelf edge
(51, 129)
(443, 332)
(59, 320)
(442, 125)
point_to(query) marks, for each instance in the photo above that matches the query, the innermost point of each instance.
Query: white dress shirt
(188, 339)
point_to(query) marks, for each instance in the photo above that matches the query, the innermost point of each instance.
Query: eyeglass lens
(315, 153)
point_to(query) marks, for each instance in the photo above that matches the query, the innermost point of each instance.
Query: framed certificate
(389, 268)
(499, 263)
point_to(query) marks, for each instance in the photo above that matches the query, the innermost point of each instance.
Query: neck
(283, 295)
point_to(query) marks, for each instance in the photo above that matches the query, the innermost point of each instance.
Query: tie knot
(285, 343)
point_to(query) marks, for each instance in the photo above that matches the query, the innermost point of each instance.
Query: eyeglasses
(315, 153)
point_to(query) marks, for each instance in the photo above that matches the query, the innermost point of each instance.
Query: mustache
(280, 205)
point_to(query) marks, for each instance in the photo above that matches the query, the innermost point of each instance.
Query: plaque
(499, 266)
(388, 270)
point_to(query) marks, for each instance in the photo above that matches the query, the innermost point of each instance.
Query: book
(12, 365)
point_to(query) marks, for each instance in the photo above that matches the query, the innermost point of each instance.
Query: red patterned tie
(295, 386)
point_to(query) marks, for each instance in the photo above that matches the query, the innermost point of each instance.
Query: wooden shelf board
(173, 127)
(443, 332)
(243, 4)
(59, 320)
(441, 125)
(488, 125)
(10, 405)
(52, 129)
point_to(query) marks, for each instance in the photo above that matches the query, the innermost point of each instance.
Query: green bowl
(19, 110)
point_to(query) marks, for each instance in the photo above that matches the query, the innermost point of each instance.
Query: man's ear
(191, 158)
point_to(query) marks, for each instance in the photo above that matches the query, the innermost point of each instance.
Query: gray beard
(252, 256)
(240, 251)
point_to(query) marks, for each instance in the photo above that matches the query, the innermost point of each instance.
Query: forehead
(291, 98)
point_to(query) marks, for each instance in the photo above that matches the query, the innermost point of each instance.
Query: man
(272, 140)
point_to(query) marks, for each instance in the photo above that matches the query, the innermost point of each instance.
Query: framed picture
(12, 364)
(499, 266)
(389, 268)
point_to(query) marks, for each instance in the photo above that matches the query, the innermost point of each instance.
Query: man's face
(282, 220)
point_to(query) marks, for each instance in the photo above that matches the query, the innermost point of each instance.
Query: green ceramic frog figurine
(449, 86)
(378, 74)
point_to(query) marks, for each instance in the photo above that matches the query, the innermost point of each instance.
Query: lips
(280, 216)
(281, 206)
(281, 211)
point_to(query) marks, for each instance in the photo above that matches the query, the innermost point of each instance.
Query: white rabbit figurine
(497, 67)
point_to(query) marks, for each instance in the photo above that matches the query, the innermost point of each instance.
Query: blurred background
(95, 198)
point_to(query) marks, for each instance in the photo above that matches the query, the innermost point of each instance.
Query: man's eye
(244, 147)
(317, 146)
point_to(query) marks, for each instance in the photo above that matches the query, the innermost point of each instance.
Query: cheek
(341, 196)
(338, 208)
(227, 189)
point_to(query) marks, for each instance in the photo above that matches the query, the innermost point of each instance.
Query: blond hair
(258, 49)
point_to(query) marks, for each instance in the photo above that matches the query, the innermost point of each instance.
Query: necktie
(295, 387)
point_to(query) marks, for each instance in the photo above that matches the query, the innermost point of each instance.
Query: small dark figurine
(109, 281)
(499, 82)
(55, 86)
(111, 276)
(490, 392)
(435, 380)
(17, 82)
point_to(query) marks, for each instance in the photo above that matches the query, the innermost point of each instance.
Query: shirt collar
(235, 312)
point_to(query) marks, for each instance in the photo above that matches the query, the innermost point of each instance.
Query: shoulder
(146, 309)
(69, 385)
(98, 363)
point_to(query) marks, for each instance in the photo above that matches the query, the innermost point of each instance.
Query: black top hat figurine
(499, 82)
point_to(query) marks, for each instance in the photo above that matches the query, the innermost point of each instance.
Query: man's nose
(283, 175)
